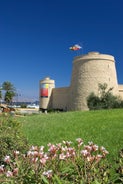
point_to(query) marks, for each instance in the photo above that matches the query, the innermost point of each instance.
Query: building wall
(120, 88)
(59, 98)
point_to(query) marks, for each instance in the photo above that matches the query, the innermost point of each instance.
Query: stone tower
(88, 71)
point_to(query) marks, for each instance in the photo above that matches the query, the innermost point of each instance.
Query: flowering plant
(61, 163)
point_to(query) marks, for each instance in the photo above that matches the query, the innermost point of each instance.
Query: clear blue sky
(35, 36)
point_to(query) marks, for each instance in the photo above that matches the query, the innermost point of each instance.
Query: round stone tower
(46, 86)
(88, 71)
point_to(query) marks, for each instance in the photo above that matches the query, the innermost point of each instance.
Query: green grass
(104, 128)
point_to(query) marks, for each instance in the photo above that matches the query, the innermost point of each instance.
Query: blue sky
(35, 36)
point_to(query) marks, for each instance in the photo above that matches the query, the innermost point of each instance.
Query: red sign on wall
(44, 92)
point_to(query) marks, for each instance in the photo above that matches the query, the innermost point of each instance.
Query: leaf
(57, 179)
(44, 180)
(96, 182)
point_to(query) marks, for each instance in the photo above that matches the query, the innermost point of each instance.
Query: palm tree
(9, 89)
(8, 86)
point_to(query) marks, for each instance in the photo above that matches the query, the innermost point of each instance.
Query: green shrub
(93, 102)
(119, 167)
(11, 137)
(23, 105)
(104, 100)
(62, 163)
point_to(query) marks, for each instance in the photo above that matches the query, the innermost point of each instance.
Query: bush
(23, 105)
(104, 100)
(93, 102)
(119, 168)
(61, 164)
(11, 137)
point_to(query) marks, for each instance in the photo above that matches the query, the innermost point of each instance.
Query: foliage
(104, 100)
(61, 163)
(23, 105)
(11, 137)
(7, 86)
(9, 89)
(9, 96)
(119, 169)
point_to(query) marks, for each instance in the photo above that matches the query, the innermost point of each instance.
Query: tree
(9, 96)
(8, 86)
(9, 89)
(104, 100)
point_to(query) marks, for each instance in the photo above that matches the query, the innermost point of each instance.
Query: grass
(104, 128)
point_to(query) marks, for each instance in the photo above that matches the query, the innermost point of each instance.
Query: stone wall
(59, 98)
(120, 88)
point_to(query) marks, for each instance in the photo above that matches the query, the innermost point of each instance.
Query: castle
(88, 71)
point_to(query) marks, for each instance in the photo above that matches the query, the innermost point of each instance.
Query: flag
(75, 47)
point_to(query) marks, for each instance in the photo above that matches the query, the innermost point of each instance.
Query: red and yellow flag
(75, 47)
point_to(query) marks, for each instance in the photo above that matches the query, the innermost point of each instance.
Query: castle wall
(59, 98)
(120, 88)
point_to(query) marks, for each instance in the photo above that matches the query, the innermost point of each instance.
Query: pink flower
(85, 153)
(34, 148)
(7, 159)
(95, 147)
(70, 152)
(90, 143)
(34, 160)
(9, 174)
(62, 156)
(59, 145)
(104, 151)
(35, 153)
(80, 141)
(88, 148)
(42, 148)
(98, 158)
(43, 161)
(52, 149)
(90, 158)
(29, 153)
(41, 154)
(48, 173)
(1, 168)
(16, 153)
(15, 171)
